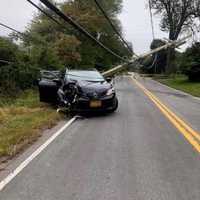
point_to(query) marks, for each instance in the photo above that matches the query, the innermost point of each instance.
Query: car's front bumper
(108, 104)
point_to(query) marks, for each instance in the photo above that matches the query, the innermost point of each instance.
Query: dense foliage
(190, 62)
(18, 73)
(72, 48)
(46, 45)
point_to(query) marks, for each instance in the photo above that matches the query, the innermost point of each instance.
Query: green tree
(18, 73)
(66, 49)
(190, 57)
(178, 16)
(45, 57)
(80, 51)
(8, 50)
(46, 45)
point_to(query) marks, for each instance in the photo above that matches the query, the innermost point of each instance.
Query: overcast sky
(135, 20)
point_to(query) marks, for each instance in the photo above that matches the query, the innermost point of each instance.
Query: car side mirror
(109, 79)
(58, 82)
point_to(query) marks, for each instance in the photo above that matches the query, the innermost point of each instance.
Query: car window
(93, 76)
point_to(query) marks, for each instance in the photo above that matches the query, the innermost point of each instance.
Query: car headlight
(110, 92)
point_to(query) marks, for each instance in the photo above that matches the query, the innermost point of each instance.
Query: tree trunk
(171, 66)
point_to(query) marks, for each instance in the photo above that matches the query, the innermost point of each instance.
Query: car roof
(82, 70)
(85, 74)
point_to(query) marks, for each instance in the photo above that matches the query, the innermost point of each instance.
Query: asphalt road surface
(133, 154)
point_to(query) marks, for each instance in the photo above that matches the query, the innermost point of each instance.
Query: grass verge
(181, 83)
(22, 121)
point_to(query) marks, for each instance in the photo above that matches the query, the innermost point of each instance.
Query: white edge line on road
(25, 163)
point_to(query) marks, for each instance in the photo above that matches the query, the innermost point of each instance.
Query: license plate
(95, 104)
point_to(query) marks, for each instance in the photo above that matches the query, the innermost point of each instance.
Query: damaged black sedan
(78, 90)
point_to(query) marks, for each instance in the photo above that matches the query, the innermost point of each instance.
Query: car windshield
(93, 76)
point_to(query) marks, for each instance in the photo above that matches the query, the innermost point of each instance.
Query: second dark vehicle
(80, 90)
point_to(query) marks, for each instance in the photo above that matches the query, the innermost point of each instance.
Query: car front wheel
(115, 107)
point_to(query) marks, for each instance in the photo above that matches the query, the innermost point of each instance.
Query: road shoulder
(11, 164)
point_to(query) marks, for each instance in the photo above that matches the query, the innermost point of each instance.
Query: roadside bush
(194, 73)
(16, 77)
(8, 50)
(25, 64)
(190, 62)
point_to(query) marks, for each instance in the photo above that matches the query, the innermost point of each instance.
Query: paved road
(134, 154)
(184, 105)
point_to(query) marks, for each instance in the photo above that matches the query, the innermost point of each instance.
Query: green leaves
(190, 57)
(46, 45)
(7, 50)
(66, 48)
(70, 46)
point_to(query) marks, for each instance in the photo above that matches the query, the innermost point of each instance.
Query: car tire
(115, 105)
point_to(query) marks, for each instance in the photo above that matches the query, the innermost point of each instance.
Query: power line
(79, 27)
(47, 14)
(73, 23)
(56, 21)
(151, 16)
(12, 29)
(20, 33)
(113, 26)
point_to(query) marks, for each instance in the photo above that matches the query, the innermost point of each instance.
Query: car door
(48, 86)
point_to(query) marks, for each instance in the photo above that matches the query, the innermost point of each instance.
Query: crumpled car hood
(98, 87)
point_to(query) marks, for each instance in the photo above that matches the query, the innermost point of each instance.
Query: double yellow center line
(192, 136)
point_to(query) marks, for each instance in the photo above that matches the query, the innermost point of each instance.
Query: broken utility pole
(169, 44)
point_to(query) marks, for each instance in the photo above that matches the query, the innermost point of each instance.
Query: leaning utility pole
(169, 44)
